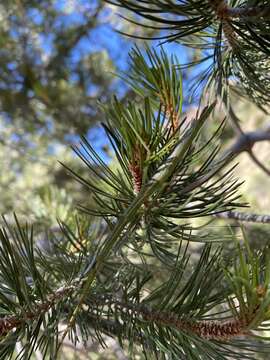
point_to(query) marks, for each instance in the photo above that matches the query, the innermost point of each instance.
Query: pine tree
(127, 268)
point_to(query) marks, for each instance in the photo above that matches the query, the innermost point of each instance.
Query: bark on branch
(222, 330)
(224, 11)
(246, 141)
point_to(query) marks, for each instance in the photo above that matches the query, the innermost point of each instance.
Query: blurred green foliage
(54, 67)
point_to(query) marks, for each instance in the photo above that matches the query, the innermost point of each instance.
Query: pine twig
(244, 217)
(222, 330)
(9, 323)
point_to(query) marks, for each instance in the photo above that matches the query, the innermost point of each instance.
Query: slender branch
(259, 163)
(246, 141)
(136, 174)
(9, 323)
(244, 217)
(222, 330)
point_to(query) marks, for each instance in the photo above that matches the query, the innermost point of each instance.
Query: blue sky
(104, 37)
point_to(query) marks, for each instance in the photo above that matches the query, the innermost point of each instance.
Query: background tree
(57, 61)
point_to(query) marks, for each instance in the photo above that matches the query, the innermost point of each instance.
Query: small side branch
(9, 323)
(245, 217)
(208, 330)
(222, 330)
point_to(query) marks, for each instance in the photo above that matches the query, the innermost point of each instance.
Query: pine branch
(223, 330)
(115, 237)
(195, 23)
(165, 175)
(178, 308)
